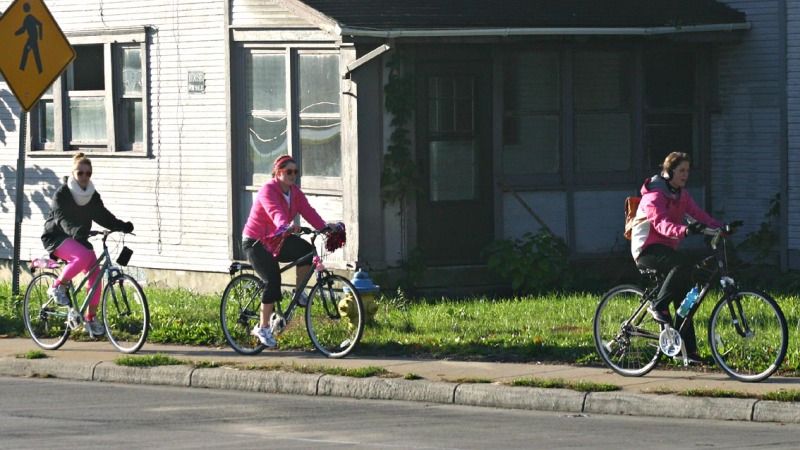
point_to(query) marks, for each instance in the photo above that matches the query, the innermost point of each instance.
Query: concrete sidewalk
(442, 381)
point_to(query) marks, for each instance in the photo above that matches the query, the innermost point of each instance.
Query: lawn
(554, 328)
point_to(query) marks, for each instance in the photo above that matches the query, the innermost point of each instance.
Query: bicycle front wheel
(125, 314)
(625, 335)
(240, 311)
(45, 320)
(334, 316)
(748, 335)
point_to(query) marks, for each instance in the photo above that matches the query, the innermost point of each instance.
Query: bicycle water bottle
(688, 301)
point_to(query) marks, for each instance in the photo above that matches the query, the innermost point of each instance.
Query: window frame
(567, 176)
(111, 40)
(310, 183)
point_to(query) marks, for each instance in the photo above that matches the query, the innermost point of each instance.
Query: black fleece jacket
(69, 220)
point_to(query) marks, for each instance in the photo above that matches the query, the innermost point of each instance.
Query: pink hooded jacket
(270, 215)
(661, 214)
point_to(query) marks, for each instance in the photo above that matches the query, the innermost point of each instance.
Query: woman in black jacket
(66, 235)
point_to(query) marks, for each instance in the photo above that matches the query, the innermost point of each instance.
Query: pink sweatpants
(79, 260)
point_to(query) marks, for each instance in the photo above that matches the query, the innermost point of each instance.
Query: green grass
(547, 328)
(558, 383)
(411, 376)
(791, 395)
(356, 372)
(157, 359)
(468, 380)
(32, 354)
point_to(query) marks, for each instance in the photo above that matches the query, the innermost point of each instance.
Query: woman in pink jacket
(271, 220)
(660, 229)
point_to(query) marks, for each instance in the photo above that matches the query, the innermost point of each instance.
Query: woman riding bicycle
(267, 237)
(66, 235)
(654, 239)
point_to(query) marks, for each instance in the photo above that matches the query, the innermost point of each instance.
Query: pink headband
(280, 161)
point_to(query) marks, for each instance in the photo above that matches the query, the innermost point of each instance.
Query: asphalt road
(48, 413)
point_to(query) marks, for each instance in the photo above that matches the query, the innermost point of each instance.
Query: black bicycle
(125, 313)
(334, 314)
(747, 330)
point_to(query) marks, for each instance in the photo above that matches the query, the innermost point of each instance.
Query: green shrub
(534, 263)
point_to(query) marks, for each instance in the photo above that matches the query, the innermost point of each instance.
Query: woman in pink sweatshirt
(271, 220)
(660, 228)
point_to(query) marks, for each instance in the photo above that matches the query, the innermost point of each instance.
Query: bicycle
(747, 330)
(334, 315)
(123, 304)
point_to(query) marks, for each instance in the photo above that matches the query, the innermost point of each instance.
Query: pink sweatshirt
(270, 214)
(661, 214)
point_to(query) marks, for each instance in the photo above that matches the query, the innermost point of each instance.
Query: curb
(486, 395)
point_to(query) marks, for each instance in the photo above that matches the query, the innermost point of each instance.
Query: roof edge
(479, 32)
(314, 16)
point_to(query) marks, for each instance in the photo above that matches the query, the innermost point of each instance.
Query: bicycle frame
(106, 270)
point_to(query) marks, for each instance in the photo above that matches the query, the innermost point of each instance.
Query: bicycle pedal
(74, 319)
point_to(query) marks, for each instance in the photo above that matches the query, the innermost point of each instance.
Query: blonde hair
(80, 158)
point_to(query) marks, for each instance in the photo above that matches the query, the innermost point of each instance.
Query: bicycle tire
(45, 320)
(334, 316)
(630, 351)
(239, 312)
(748, 358)
(126, 314)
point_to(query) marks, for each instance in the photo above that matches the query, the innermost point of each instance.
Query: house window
(531, 120)
(318, 111)
(98, 104)
(602, 111)
(265, 99)
(671, 116)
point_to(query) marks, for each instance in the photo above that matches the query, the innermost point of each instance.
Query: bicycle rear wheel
(748, 335)
(334, 316)
(625, 335)
(239, 312)
(125, 314)
(45, 320)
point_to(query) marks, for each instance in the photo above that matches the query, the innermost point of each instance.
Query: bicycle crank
(277, 323)
(669, 341)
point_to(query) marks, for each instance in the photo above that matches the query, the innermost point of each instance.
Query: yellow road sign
(34, 50)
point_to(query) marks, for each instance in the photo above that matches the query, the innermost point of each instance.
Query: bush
(534, 263)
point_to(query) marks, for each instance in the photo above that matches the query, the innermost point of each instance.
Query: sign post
(35, 52)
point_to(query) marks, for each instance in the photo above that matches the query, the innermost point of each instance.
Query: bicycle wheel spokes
(240, 312)
(748, 336)
(628, 344)
(125, 314)
(334, 316)
(45, 320)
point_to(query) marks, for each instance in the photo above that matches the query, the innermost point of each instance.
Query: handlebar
(717, 233)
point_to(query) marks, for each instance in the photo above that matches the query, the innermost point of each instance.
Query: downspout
(783, 138)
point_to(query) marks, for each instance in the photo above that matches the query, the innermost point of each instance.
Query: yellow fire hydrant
(367, 290)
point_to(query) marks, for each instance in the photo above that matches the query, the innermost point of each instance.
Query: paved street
(48, 413)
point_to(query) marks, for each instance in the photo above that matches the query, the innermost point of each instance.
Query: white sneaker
(265, 336)
(94, 328)
(59, 294)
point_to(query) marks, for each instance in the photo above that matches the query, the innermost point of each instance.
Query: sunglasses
(81, 173)
(290, 171)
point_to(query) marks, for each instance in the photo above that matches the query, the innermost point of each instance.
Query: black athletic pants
(266, 266)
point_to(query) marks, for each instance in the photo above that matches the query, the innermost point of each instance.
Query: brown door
(454, 208)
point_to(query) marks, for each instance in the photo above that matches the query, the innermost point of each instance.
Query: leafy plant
(534, 263)
(763, 242)
(400, 176)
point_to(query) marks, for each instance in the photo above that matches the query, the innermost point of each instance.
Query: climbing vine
(399, 178)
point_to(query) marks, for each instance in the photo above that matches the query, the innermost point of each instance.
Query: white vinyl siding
(793, 102)
(745, 131)
(177, 195)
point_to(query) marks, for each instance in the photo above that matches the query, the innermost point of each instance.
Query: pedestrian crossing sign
(34, 50)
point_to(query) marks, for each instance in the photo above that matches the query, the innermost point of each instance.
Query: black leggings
(266, 266)
(663, 260)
